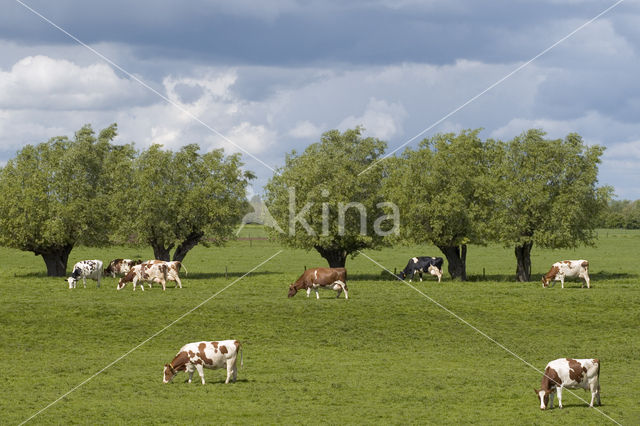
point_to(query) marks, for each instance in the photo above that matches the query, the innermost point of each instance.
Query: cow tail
(185, 268)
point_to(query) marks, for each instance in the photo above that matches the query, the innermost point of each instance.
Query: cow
(85, 269)
(426, 264)
(145, 272)
(120, 266)
(200, 355)
(173, 270)
(567, 269)
(330, 278)
(571, 374)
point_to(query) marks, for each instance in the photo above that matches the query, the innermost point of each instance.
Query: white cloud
(40, 82)
(380, 119)
(305, 130)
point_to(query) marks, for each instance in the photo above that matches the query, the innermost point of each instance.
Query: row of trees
(336, 197)
(452, 191)
(622, 214)
(89, 191)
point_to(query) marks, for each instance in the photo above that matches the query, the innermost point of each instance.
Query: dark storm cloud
(297, 33)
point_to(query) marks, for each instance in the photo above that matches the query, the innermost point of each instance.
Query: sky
(267, 77)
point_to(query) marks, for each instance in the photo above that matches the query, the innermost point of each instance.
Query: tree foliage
(622, 214)
(548, 194)
(176, 200)
(55, 196)
(445, 194)
(307, 195)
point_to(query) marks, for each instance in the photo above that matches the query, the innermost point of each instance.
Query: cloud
(40, 82)
(305, 130)
(380, 119)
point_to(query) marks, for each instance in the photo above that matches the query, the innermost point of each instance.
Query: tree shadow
(222, 275)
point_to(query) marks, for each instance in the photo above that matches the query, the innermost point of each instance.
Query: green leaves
(176, 196)
(315, 188)
(53, 194)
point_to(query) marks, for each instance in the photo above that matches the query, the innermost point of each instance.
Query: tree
(55, 196)
(179, 200)
(548, 195)
(326, 199)
(444, 193)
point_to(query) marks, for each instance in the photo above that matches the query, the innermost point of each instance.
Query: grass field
(387, 355)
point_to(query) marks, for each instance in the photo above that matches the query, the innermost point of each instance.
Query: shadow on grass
(503, 278)
(229, 275)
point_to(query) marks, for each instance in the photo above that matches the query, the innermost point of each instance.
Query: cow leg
(99, 277)
(164, 287)
(179, 282)
(200, 372)
(551, 395)
(420, 273)
(308, 291)
(232, 372)
(84, 281)
(317, 292)
(585, 278)
(562, 284)
(595, 393)
(189, 370)
(559, 390)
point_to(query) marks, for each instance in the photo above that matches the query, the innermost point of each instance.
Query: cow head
(168, 373)
(545, 281)
(543, 397)
(292, 290)
(121, 283)
(72, 282)
(401, 275)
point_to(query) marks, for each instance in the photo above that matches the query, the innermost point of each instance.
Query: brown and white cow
(571, 374)
(145, 272)
(200, 355)
(330, 278)
(567, 269)
(120, 266)
(173, 270)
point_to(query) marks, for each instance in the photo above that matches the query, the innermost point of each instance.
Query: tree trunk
(56, 259)
(523, 258)
(457, 260)
(190, 242)
(160, 252)
(336, 257)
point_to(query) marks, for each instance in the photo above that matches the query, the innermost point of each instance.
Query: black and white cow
(426, 264)
(120, 266)
(85, 269)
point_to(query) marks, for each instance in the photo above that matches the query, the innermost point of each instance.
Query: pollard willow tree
(177, 200)
(547, 195)
(445, 194)
(328, 198)
(55, 196)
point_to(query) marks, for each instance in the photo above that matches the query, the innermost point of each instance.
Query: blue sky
(271, 76)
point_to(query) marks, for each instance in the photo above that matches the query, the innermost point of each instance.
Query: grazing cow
(200, 355)
(426, 264)
(145, 272)
(571, 374)
(85, 269)
(330, 278)
(120, 266)
(567, 269)
(173, 270)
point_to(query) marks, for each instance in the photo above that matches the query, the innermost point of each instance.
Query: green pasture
(388, 355)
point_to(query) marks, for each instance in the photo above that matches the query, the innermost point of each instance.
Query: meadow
(388, 355)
